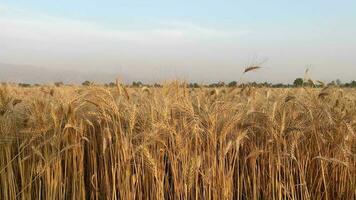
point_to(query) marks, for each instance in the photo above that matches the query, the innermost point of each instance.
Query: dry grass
(177, 143)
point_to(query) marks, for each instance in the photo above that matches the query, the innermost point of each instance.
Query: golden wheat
(72, 142)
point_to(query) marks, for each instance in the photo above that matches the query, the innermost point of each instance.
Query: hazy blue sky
(194, 40)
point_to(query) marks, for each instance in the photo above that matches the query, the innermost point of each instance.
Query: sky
(201, 41)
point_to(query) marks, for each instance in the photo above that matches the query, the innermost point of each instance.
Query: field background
(174, 142)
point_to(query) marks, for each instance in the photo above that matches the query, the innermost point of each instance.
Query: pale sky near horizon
(195, 40)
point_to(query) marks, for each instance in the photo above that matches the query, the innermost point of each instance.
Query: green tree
(137, 84)
(353, 84)
(298, 82)
(24, 85)
(58, 84)
(232, 84)
(86, 83)
(221, 84)
(193, 85)
(332, 83)
(157, 85)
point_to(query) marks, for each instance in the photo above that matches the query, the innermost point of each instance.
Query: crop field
(175, 142)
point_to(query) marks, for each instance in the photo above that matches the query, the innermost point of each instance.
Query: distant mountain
(33, 74)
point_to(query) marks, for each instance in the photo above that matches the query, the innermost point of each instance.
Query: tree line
(298, 82)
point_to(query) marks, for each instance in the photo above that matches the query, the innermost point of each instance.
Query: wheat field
(175, 142)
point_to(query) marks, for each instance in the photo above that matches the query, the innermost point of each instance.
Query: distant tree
(86, 83)
(298, 82)
(332, 83)
(111, 84)
(353, 84)
(137, 84)
(265, 84)
(157, 85)
(58, 84)
(212, 85)
(254, 84)
(218, 84)
(221, 84)
(338, 82)
(278, 85)
(232, 84)
(193, 85)
(24, 85)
